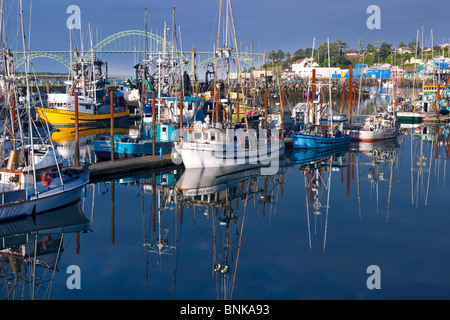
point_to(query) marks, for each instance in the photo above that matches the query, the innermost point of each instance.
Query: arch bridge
(141, 42)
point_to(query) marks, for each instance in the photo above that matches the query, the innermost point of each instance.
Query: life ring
(47, 243)
(47, 178)
(147, 127)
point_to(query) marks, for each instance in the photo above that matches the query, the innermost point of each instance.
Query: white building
(303, 68)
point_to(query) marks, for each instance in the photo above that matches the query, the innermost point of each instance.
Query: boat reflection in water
(429, 149)
(65, 137)
(31, 248)
(316, 165)
(379, 157)
(218, 192)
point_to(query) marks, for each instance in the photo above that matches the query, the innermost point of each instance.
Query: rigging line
(56, 263)
(240, 240)
(48, 128)
(307, 213)
(214, 250)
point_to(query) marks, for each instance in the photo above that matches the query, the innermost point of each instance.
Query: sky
(268, 24)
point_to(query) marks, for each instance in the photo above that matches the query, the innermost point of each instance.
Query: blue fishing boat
(314, 132)
(167, 116)
(314, 136)
(126, 146)
(319, 130)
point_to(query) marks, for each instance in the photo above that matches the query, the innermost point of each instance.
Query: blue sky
(271, 24)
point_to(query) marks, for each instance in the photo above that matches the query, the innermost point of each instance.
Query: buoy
(47, 243)
(47, 178)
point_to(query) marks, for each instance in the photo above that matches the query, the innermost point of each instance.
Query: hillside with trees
(370, 54)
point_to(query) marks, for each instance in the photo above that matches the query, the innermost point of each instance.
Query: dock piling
(77, 135)
(111, 99)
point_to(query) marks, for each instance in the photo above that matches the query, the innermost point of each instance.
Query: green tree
(413, 45)
(279, 55)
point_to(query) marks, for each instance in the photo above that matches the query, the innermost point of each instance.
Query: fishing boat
(34, 180)
(225, 143)
(317, 130)
(315, 136)
(380, 126)
(299, 113)
(429, 103)
(313, 132)
(41, 186)
(86, 94)
(415, 113)
(167, 121)
(163, 110)
(205, 145)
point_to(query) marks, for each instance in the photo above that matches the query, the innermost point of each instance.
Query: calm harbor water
(308, 232)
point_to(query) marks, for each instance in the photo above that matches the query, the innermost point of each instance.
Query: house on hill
(303, 67)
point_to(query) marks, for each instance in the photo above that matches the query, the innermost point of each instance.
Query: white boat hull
(51, 199)
(376, 135)
(201, 155)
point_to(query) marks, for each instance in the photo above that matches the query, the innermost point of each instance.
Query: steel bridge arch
(98, 48)
(203, 58)
(57, 56)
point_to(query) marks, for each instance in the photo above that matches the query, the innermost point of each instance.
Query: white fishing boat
(376, 127)
(34, 180)
(42, 186)
(221, 144)
(203, 146)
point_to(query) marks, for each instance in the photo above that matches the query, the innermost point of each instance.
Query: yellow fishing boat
(60, 110)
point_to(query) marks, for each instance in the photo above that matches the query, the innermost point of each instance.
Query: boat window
(164, 129)
(205, 135)
(213, 137)
(197, 135)
(88, 107)
(212, 197)
(190, 106)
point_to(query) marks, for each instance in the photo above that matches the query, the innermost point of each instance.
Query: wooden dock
(105, 170)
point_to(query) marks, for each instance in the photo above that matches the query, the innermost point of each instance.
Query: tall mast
(30, 126)
(215, 105)
(329, 89)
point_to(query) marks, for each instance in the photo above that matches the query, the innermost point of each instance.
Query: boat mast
(30, 126)
(329, 89)
(215, 103)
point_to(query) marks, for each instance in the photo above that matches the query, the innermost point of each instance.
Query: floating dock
(104, 170)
